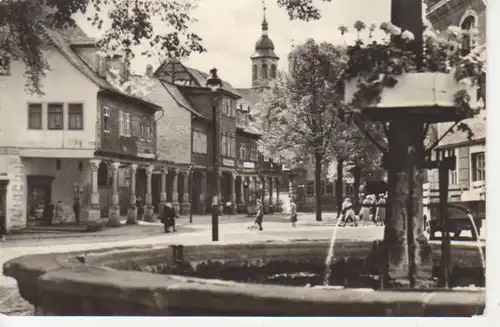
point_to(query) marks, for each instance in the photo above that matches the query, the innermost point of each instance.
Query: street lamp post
(215, 84)
(190, 193)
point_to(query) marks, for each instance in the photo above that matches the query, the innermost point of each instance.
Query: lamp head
(214, 83)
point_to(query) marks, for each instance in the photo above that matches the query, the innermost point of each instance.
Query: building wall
(454, 11)
(63, 84)
(173, 128)
(17, 169)
(115, 143)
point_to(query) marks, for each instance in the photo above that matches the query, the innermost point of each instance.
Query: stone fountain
(261, 279)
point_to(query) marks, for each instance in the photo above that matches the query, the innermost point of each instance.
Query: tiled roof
(62, 39)
(202, 77)
(250, 95)
(478, 127)
(177, 95)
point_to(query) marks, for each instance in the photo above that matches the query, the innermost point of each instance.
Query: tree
(299, 113)
(363, 158)
(131, 23)
(356, 155)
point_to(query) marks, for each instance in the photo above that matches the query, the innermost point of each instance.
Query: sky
(230, 29)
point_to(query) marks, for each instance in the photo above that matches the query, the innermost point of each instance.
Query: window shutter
(136, 126)
(463, 167)
(120, 122)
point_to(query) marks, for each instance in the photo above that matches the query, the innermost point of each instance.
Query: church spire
(265, 26)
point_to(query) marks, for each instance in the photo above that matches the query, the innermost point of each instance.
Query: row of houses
(104, 144)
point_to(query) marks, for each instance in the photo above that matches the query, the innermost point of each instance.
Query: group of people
(372, 209)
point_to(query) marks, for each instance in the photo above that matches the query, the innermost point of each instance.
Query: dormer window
(4, 66)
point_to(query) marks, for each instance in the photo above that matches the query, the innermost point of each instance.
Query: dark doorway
(39, 195)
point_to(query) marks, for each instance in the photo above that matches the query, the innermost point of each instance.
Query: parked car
(460, 218)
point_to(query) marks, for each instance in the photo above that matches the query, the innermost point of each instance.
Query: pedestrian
(140, 208)
(381, 210)
(348, 213)
(76, 211)
(3, 229)
(260, 214)
(364, 213)
(373, 208)
(48, 212)
(168, 218)
(293, 212)
(59, 210)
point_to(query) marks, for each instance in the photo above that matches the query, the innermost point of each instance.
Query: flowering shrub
(376, 64)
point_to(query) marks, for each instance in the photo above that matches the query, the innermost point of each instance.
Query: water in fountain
(331, 253)
(478, 242)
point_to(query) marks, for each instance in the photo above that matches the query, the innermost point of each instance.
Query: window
(4, 66)
(453, 177)
(35, 116)
(228, 108)
(468, 41)
(233, 144)
(243, 151)
(106, 113)
(75, 116)
(146, 128)
(200, 142)
(125, 126)
(264, 71)
(55, 116)
(310, 188)
(253, 153)
(254, 72)
(478, 167)
(273, 71)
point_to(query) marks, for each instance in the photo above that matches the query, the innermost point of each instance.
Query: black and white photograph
(243, 158)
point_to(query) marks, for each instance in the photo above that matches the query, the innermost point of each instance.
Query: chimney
(149, 71)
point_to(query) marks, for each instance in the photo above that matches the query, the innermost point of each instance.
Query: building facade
(83, 141)
(468, 179)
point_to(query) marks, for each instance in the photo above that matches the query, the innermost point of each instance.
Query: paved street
(233, 229)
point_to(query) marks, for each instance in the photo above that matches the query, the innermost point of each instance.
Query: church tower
(264, 60)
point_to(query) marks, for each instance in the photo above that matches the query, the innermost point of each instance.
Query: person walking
(381, 210)
(168, 218)
(348, 213)
(76, 211)
(373, 209)
(3, 221)
(364, 213)
(59, 212)
(140, 208)
(293, 212)
(260, 214)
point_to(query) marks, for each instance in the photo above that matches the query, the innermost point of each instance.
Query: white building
(52, 146)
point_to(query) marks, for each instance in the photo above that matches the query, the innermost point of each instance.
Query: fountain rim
(53, 273)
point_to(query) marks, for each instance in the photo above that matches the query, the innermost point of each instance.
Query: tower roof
(264, 47)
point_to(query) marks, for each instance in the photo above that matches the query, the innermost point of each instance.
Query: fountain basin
(115, 282)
